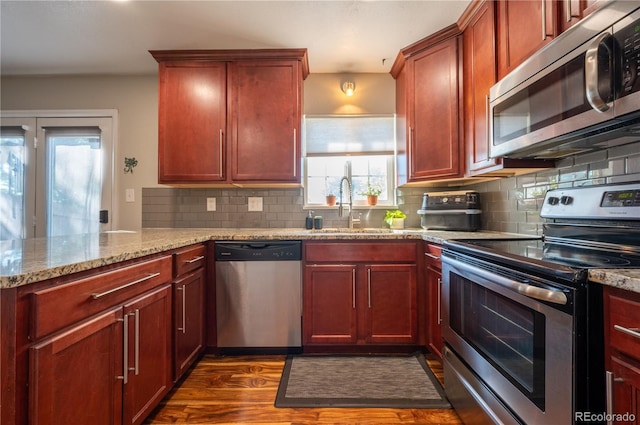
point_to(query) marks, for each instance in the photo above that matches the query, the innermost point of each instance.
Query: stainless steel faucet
(352, 221)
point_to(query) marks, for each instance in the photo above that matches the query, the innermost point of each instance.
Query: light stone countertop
(32, 260)
(628, 279)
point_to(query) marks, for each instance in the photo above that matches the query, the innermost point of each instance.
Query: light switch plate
(129, 195)
(254, 203)
(211, 204)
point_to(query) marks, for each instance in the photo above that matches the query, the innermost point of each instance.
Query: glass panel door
(75, 182)
(16, 149)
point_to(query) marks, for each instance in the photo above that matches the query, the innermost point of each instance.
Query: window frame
(390, 165)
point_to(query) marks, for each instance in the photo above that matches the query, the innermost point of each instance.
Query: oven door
(514, 344)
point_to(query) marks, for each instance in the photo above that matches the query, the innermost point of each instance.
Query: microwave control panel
(628, 40)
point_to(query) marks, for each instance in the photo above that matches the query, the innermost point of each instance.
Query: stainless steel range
(523, 326)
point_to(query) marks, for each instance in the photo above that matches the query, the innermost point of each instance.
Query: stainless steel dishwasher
(259, 294)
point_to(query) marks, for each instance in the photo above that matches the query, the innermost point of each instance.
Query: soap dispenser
(308, 224)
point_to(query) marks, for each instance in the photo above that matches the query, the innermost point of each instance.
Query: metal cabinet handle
(184, 303)
(369, 286)
(591, 75)
(353, 286)
(544, 19)
(125, 350)
(433, 257)
(295, 152)
(634, 332)
(195, 259)
(487, 111)
(609, 381)
(136, 347)
(126, 285)
(221, 152)
(439, 300)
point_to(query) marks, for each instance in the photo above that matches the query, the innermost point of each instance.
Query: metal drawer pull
(433, 257)
(126, 285)
(193, 260)
(635, 332)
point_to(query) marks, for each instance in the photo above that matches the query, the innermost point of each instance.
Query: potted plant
(395, 219)
(331, 199)
(371, 192)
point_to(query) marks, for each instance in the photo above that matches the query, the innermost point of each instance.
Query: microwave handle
(591, 74)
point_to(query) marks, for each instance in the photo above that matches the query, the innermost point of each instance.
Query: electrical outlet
(211, 204)
(129, 195)
(254, 204)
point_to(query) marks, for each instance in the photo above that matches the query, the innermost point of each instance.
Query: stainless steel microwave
(579, 93)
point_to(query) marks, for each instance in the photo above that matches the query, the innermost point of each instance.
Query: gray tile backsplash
(508, 204)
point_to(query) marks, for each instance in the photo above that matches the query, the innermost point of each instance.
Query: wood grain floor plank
(242, 390)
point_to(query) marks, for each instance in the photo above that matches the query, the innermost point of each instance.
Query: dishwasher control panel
(258, 251)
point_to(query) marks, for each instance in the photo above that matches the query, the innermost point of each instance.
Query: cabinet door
(75, 377)
(433, 148)
(265, 122)
(148, 353)
(434, 296)
(329, 310)
(479, 76)
(188, 321)
(192, 122)
(524, 27)
(626, 390)
(391, 310)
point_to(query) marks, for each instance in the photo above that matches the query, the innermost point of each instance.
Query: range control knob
(566, 200)
(553, 200)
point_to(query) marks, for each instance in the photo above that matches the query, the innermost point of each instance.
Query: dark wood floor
(242, 390)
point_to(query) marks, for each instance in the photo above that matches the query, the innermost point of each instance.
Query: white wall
(136, 99)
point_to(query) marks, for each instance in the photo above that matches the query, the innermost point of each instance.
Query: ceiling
(114, 37)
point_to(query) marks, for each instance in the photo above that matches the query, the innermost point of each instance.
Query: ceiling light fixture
(348, 87)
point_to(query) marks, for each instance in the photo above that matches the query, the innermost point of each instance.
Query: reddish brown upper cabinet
(428, 109)
(480, 73)
(524, 27)
(230, 116)
(622, 354)
(572, 11)
(192, 121)
(360, 293)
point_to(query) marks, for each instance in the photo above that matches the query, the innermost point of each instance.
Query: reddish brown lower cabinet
(92, 374)
(92, 348)
(622, 355)
(76, 376)
(189, 297)
(356, 301)
(433, 276)
(188, 320)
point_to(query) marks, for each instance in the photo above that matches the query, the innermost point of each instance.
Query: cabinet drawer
(189, 259)
(623, 326)
(432, 254)
(62, 305)
(342, 252)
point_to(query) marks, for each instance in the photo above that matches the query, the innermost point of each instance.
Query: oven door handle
(531, 291)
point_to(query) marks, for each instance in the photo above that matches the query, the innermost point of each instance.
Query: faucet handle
(356, 219)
